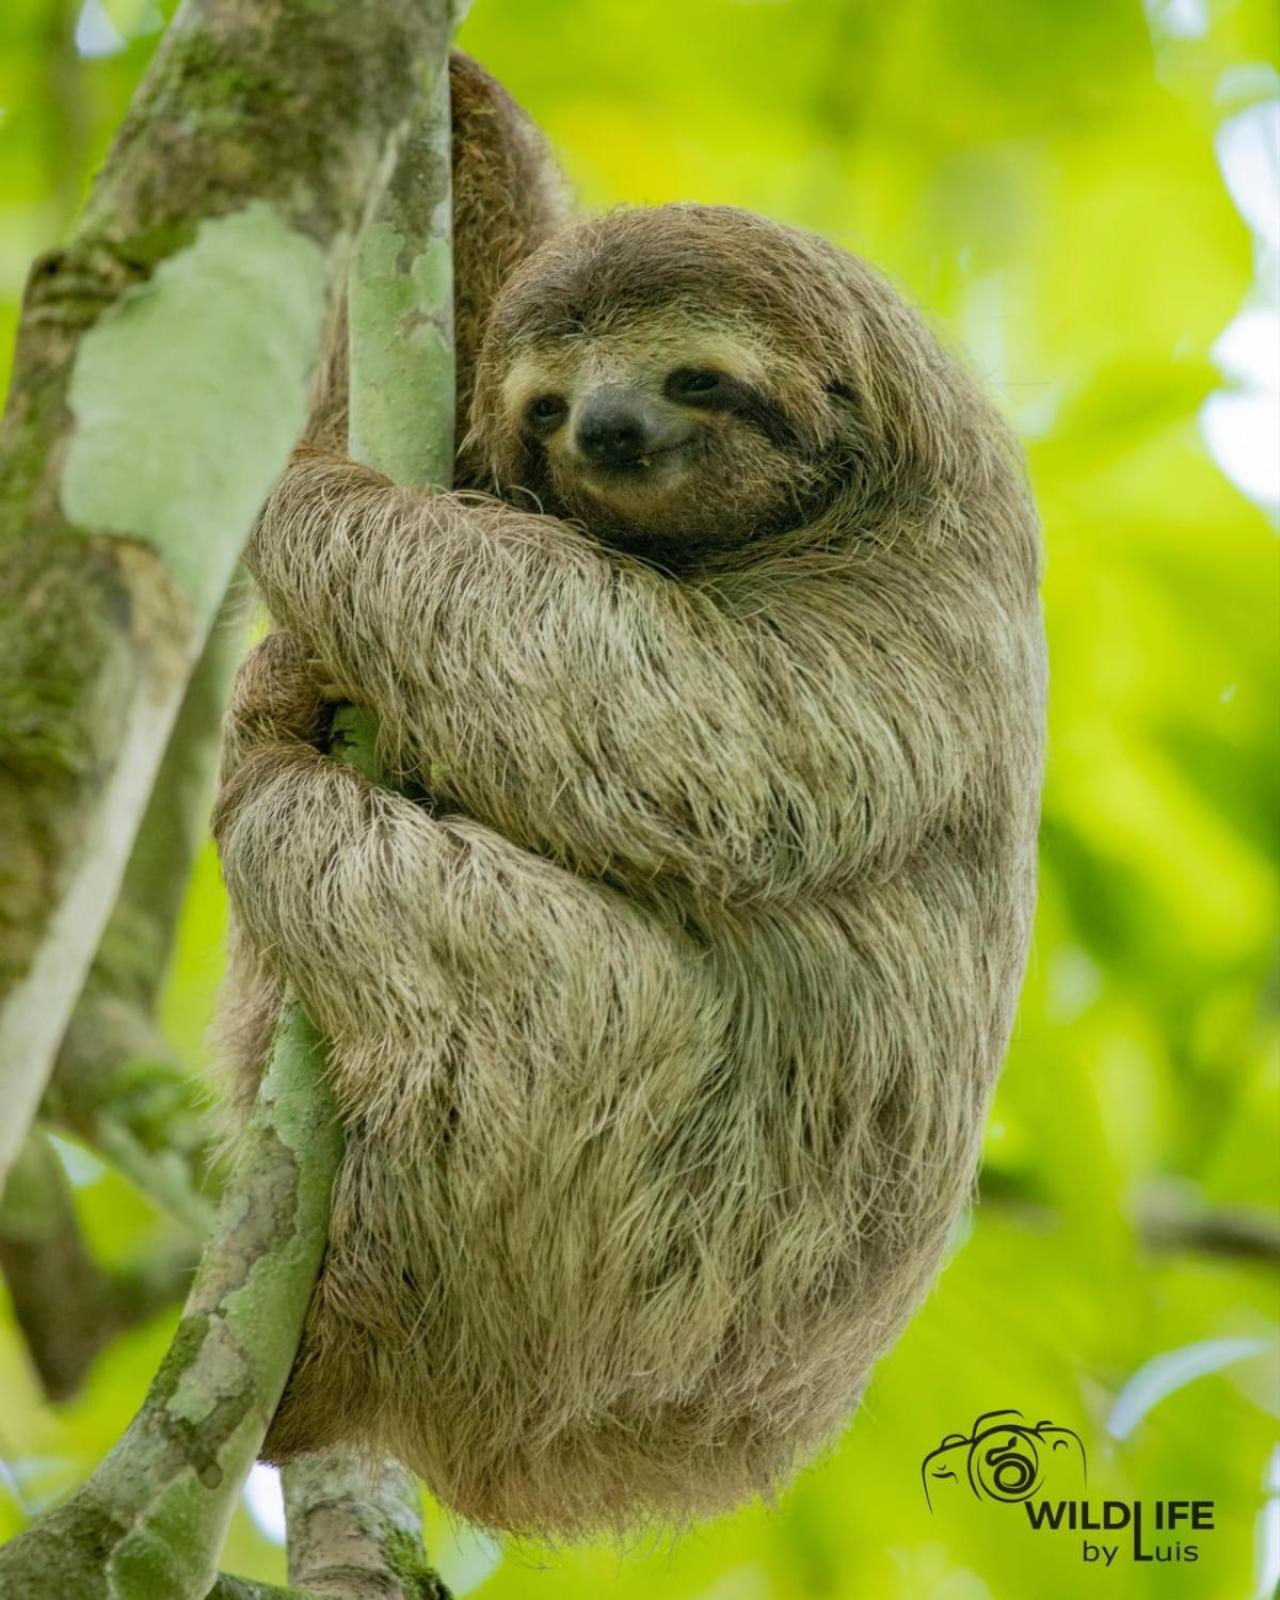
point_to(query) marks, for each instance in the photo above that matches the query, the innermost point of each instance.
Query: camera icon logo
(1005, 1459)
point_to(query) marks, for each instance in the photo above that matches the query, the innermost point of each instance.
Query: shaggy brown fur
(663, 1032)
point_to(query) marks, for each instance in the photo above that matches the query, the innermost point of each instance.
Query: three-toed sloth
(666, 1006)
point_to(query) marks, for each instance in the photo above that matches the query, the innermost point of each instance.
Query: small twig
(1170, 1222)
(120, 1088)
(1166, 1220)
(67, 1305)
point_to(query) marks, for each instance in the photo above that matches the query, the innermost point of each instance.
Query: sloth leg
(512, 1048)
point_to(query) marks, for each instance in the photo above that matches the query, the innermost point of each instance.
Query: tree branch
(1171, 1222)
(228, 1588)
(117, 1085)
(1166, 1217)
(151, 1519)
(67, 1305)
(207, 250)
(355, 1532)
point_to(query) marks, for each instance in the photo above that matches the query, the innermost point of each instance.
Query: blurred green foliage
(1043, 177)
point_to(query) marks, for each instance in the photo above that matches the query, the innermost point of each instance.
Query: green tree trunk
(353, 1534)
(209, 250)
(151, 1519)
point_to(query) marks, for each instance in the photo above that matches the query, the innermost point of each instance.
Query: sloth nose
(614, 430)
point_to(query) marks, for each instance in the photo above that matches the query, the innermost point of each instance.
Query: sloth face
(663, 439)
(684, 379)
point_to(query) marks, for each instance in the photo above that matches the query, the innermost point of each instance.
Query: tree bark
(117, 1084)
(162, 374)
(275, 126)
(355, 1533)
(152, 1518)
(67, 1305)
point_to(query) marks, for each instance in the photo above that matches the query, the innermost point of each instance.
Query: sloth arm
(393, 924)
(626, 725)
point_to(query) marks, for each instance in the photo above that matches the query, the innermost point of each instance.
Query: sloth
(666, 999)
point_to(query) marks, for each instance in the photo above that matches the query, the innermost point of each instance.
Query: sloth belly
(662, 1228)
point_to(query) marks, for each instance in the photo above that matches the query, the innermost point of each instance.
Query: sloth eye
(546, 412)
(697, 385)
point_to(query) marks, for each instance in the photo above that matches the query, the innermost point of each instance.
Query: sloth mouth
(637, 471)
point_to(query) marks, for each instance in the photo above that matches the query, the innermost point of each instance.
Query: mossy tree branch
(229, 1588)
(355, 1532)
(67, 1305)
(117, 1084)
(162, 372)
(151, 1519)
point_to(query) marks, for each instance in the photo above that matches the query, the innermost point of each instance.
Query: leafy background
(1084, 196)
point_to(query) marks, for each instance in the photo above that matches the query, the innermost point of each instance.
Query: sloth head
(686, 379)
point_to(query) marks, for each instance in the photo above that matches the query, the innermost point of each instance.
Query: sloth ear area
(847, 408)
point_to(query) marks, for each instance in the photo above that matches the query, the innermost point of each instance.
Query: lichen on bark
(151, 1519)
(297, 109)
(400, 312)
(355, 1531)
(243, 307)
(268, 124)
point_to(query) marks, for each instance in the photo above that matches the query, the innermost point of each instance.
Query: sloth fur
(665, 1016)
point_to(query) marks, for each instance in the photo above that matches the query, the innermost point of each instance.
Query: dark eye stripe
(724, 393)
(762, 411)
(698, 386)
